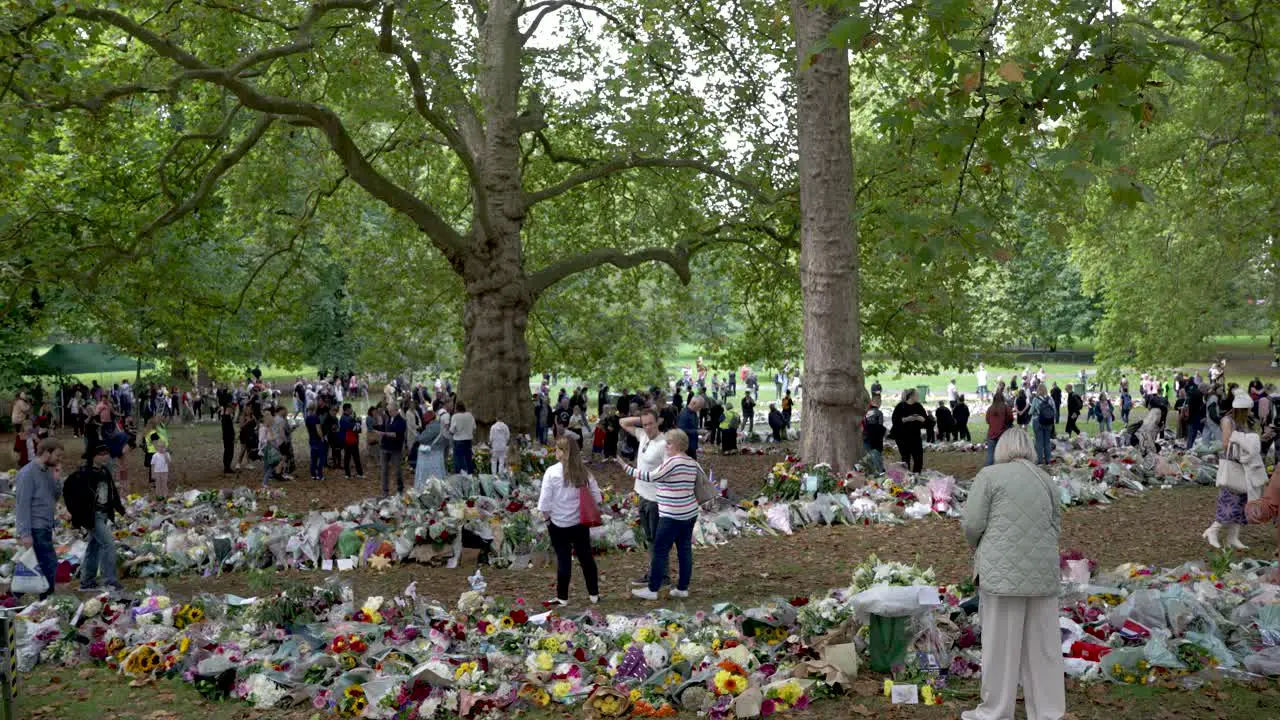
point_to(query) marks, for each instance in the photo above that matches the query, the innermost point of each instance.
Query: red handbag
(588, 511)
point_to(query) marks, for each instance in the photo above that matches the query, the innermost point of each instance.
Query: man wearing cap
(93, 501)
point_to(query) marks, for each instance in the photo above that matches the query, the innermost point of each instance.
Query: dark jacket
(1074, 404)
(393, 436)
(81, 494)
(775, 419)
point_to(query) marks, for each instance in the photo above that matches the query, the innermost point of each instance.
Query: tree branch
(219, 134)
(677, 258)
(447, 239)
(986, 104)
(225, 163)
(95, 104)
(302, 36)
(547, 7)
(635, 161)
(466, 152)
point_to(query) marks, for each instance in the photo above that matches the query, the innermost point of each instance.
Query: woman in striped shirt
(675, 479)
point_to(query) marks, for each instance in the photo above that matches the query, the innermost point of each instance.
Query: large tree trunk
(495, 370)
(833, 403)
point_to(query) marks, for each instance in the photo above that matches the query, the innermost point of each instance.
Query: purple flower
(802, 703)
(768, 707)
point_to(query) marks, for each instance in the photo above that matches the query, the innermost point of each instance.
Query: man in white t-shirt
(982, 383)
(499, 436)
(652, 452)
(462, 427)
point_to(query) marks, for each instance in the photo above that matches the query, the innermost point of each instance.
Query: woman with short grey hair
(1012, 520)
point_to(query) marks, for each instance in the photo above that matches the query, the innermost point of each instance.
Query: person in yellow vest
(155, 431)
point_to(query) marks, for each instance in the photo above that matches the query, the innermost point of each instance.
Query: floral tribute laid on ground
(481, 656)
(207, 533)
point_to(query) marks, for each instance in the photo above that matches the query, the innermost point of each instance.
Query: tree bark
(833, 404)
(494, 382)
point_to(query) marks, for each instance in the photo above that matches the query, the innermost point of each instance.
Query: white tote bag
(26, 575)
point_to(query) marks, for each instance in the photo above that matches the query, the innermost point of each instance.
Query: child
(160, 463)
(118, 446)
(499, 437)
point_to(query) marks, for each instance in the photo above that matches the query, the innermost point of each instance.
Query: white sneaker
(595, 599)
(557, 602)
(679, 593)
(644, 594)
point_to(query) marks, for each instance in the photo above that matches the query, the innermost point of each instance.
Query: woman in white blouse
(559, 503)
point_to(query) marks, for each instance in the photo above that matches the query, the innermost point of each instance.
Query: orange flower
(732, 667)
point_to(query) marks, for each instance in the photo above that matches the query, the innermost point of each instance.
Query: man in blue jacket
(688, 422)
(392, 445)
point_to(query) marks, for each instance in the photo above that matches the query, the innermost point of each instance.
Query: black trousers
(349, 453)
(568, 542)
(913, 457)
(1071, 425)
(228, 451)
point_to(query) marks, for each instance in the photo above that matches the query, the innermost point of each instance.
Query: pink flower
(768, 707)
(802, 703)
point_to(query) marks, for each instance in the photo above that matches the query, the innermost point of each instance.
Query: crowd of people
(1195, 403)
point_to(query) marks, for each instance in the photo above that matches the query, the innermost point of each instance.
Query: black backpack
(1047, 415)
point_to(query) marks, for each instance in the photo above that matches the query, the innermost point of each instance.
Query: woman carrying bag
(1241, 473)
(570, 503)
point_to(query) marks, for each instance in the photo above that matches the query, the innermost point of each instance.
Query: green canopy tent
(82, 358)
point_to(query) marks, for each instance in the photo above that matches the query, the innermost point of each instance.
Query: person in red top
(999, 419)
(1265, 510)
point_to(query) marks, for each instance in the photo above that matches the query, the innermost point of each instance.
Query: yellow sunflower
(728, 683)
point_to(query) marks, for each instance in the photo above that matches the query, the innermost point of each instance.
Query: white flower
(373, 604)
(692, 652)
(470, 602)
(264, 692)
(428, 708)
(655, 656)
(91, 608)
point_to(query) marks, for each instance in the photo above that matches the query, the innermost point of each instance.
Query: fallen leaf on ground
(861, 710)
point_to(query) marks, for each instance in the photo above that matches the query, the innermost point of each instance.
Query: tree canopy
(392, 185)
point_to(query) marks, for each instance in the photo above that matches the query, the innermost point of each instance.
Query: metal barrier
(9, 658)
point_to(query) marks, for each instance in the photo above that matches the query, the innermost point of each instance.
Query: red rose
(580, 655)
(519, 617)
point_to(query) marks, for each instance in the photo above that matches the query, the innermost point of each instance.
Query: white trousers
(498, 461)
(1021, 644)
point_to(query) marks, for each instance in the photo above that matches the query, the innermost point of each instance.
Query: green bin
(923, 390)
(888, 643)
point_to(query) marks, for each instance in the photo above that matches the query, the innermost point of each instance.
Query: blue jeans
(991, 450)
(46, 557)
(101, 550)
(318, 455)
(678, 533)
(1044, 443)
(462, 459)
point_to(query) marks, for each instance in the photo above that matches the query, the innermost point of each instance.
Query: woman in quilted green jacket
(1012, 520)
